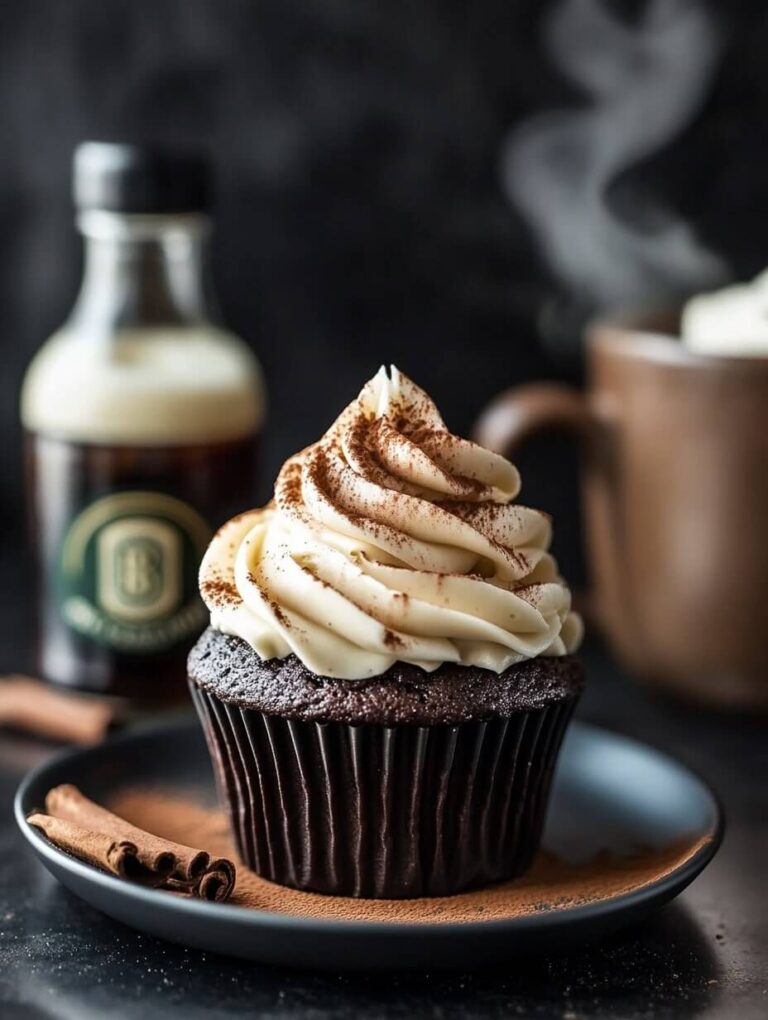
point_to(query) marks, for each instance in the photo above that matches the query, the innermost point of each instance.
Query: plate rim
(246, 918)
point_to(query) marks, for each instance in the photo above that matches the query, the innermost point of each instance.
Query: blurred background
(454, 188)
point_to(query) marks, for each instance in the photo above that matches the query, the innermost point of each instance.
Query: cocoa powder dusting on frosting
(389, 502)
(392, 640)
(551, 883)
(219, 592)
(291, 484)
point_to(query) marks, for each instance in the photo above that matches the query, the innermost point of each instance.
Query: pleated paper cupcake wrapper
(383, 811)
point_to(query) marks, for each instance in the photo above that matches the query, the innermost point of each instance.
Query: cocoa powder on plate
(551, 883)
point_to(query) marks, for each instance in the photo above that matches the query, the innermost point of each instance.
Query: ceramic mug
(675, 493)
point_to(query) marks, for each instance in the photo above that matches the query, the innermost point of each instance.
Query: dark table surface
(704, 955)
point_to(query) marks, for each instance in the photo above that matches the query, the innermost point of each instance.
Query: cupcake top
(391, 540)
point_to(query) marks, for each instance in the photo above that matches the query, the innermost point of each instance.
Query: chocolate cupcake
(387, 677)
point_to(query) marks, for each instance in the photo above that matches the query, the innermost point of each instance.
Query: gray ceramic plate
(609, 792)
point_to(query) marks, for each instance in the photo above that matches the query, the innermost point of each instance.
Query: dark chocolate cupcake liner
(384, 811)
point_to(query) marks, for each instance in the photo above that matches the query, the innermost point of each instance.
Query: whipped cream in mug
(732, 321)
(390, 540)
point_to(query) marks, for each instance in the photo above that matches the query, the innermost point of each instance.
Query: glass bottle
(141, 416)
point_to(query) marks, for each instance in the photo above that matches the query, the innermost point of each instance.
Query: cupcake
(388, 672)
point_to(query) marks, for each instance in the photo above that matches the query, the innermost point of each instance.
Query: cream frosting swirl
(391, 539)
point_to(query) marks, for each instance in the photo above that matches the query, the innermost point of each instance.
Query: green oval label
(127, 573)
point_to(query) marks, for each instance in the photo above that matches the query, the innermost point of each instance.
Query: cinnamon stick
(215, 884)
(100, 837)
(218, 881)
(121, 857)
(153, 853)
(36, 707)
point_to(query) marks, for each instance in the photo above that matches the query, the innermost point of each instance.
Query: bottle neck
(143, 271)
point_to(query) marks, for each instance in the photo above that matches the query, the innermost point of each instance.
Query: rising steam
(644, 82)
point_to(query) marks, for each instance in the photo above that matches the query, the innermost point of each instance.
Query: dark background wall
(384, 194)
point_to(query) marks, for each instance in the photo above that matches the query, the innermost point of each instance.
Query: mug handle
(519, 414)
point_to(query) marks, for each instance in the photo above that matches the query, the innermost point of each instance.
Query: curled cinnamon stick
(100, 837)
(36, 707)
(215, 884)
(218, 881)
(118, 856)
(153, 853)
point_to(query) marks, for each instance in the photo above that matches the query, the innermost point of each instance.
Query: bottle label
(127, 573)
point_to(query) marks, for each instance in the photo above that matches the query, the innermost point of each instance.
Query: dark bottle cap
(127, 178)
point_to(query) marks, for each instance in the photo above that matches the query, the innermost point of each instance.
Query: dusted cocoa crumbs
(550, 884)
(219, 593)
(392, 640)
